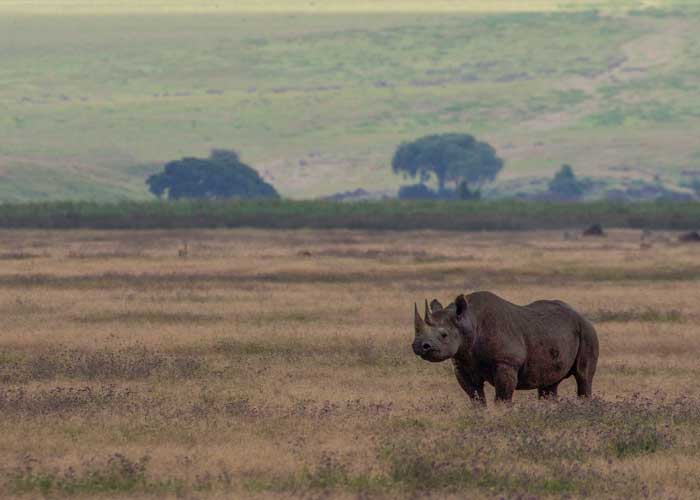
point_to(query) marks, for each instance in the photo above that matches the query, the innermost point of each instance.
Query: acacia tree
(457, 158)
(222, 175)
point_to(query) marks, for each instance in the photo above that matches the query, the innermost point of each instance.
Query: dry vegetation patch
(252, 369)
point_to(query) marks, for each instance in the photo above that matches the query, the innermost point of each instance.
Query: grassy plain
(317, 95)
(252, 363)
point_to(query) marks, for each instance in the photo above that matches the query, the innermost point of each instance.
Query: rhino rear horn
(428, 314)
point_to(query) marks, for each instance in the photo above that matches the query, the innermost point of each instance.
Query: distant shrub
(222, 175)
(417, 192)
(565, 185)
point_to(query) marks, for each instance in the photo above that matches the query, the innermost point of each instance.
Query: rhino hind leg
(549, 392)
(586, 360)
(583, 386)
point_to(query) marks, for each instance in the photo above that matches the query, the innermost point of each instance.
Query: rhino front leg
(475, 391)
(505, 381)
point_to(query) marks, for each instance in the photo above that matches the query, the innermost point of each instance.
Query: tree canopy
(222, 175)
(565, 185)
(452, 158)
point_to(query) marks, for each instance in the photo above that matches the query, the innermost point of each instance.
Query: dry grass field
(261, 364)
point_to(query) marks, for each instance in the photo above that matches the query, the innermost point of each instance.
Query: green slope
(91, 100)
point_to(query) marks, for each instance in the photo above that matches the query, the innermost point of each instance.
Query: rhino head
(443, 331)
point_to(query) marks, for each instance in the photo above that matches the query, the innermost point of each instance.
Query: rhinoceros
(511, 347)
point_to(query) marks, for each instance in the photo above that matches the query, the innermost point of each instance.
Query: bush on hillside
(222, 175)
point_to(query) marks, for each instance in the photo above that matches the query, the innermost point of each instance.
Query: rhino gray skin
(511, 347)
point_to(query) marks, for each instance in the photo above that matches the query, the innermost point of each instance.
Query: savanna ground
(251, 363)
(317, 94)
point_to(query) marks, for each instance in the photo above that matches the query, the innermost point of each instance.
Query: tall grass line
(392, 214)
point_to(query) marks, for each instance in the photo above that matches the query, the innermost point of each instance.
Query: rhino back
(553, 341)
(540, 339)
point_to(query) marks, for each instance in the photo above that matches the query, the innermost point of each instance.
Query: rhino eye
(443, 335)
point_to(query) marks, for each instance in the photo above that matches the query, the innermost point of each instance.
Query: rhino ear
(435, 305)
(460, 305)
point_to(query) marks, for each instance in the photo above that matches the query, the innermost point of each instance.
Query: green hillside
(316, 95)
